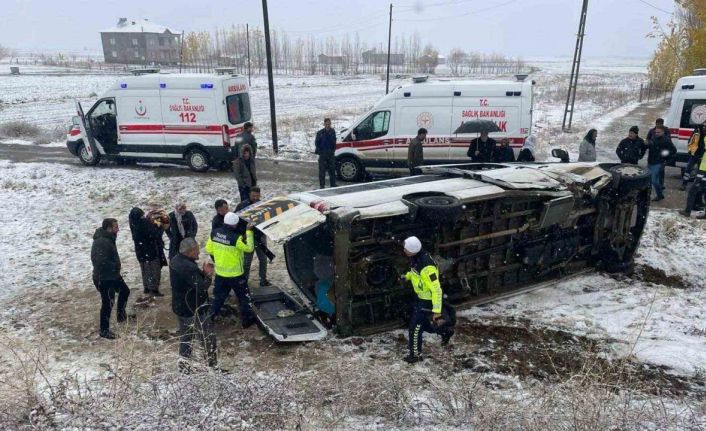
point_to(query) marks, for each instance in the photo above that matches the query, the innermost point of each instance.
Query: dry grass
(25, 130)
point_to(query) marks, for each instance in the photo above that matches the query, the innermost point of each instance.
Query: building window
(176, 39)
(114, 54)
(112, 41)
(137, 54)
(134, 42)
(161, 41)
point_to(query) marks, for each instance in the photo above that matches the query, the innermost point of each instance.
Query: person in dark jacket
(221, 211)
(245, 172)
(660, 149)
(415, 152)
(149, 249)
(481, 148)
(587, 148)
(325, 147)
(651, 133)
(106, 275)
(503, 153)
(631, 149)
(263, 254)
(190, 301)
(182, 224)
(245, 138)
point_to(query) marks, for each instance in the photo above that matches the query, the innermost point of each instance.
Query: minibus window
(238, 108)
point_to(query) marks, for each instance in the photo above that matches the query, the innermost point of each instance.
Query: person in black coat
(190, 301)
(503, 153)
(481, 148)
(261, 250)
(631, 149)
(660, 149)
(325, 148)
(106, 275)
(149, 249)
(182, 224)
(221, 210)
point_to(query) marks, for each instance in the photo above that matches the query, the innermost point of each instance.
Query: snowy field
(592, 352)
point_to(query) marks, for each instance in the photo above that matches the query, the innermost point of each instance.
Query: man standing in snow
(660, 149)
(325, 147)
(182, 224)
(631, 149)
(190, 301)
(503, 153)
(263, 254)
(481, 148)
(221, 211)
(415, 152)
(427, 309)
(106, 275)
(651, 134)
(227, 249)
(149, 247)
(245, 138)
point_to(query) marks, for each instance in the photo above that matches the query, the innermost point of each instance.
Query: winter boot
(413, 359)
(446, 337)
(108, 334)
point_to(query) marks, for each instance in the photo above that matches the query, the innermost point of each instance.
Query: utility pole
(270, 81)
(247, 44)
(389, 39)
(181, 51)
(574, 79)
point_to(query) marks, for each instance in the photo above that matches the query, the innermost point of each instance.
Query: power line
(655, 7)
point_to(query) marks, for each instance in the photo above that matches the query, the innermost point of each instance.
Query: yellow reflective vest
(228, 250)
(424, 277)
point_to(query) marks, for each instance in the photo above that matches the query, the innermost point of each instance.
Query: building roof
(126, 25)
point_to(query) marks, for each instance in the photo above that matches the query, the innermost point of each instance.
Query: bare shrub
(19, 129)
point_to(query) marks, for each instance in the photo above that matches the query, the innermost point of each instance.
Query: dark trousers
(261, 260)
(693, 161)
(107, 290)
(244, 193)
(421, 322)
(151, 275)
(327, 163)
(239, 285)
(696, 190)
(199, 325)
(657, 176)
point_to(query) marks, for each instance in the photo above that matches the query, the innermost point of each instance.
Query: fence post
(641, 84)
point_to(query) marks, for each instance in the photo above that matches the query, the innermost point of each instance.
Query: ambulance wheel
(197, 160)
(349, 169)
(86, 157)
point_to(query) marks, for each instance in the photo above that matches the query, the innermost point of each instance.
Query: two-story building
(141, 42)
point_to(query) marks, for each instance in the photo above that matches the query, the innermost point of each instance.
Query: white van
(378, 141)
(687, 110)
(179, 118)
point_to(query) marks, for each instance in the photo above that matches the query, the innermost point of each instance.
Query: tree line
(682, 44)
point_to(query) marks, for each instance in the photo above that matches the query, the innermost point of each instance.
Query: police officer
(227, 248)
(427, 308)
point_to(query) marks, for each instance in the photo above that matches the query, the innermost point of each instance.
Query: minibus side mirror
(561, 155)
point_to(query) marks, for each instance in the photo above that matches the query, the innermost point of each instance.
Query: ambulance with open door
(177, 118)
(687, 110)
(378, 141)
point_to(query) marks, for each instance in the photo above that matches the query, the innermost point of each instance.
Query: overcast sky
(527, 28)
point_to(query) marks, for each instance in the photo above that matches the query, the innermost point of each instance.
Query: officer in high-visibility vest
(698, 188)
(227, 248)
(427, 309)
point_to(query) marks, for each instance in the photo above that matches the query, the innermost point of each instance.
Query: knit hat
(231, 219)
(634, 129)
(412, 245)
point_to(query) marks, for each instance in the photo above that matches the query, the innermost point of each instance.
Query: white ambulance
(178, 118)
(378, 141)
(687, 110)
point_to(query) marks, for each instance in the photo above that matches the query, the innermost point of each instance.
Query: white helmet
(231, 219)
(412, 245)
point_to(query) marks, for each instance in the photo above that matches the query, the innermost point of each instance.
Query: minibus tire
(348, 164)
(83, 154)
(197, 160)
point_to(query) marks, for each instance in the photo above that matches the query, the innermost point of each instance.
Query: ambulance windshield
(238, 108)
